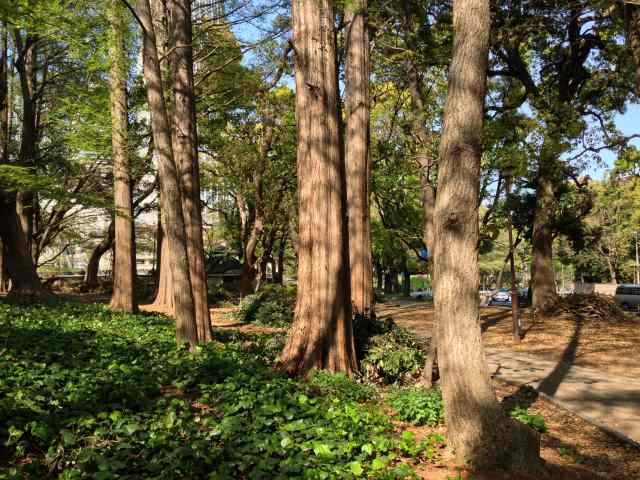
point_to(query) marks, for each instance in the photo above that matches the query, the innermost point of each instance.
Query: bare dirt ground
(612, 347)
(573, 448)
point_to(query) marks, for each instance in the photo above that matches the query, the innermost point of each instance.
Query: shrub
(341, 386)
(534, 421)
(418, 406)
(388, 353)
(272, 306)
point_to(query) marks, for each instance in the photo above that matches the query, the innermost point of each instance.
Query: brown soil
(573, 449)
(612, 347)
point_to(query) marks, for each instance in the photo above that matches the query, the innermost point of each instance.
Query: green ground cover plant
(418, 406)
(86, 393)
(272, 306)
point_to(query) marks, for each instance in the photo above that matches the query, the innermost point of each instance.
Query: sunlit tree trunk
(480, 433)
(172, 217)
(185, 150)
(543, 283)
(322, 334)
(124, 274)
(357, 158)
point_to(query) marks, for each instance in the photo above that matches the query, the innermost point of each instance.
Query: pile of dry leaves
(594, 307)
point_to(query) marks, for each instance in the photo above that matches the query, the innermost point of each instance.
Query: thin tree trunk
(515, 301)
(322, 334)
(406, 279)
(481, 435)
(185, 150)
(124, 274)
(357, 157)
(4, 94)
(93, 266)
(542, 274)
(172, 217)
(282, 247)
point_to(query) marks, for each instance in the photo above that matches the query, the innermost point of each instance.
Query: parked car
(628, 296)
(421, 294)
(503, 298)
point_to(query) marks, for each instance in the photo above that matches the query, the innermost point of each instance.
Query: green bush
(388, 353)
(272, 306)
(418, 406)
(341, 386)
(534, 421)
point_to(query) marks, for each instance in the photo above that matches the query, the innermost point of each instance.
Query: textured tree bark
(542, 274)
(164, 299)
(172, 217)
(18, 262)
(185, 150)
(322, 334)
(26, 65)
(357, 158)
(124, 274)
(93, 266)
(480, 433)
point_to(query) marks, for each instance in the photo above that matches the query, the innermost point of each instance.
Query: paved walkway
(611, 402)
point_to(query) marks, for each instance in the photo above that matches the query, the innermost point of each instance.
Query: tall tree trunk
(124, 275)
(19, 264)
(172, 217)
(515, 300)
(185, 150)
(322, 334)
(357, 158)
(406, 279)
(542, 274)
(164, 299)
(481, 434)
(278, 276)
(93, 266)
(26, 64)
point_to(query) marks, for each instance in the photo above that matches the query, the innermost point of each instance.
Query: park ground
(128, 355)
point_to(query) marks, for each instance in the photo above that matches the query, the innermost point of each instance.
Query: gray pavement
(611, 402)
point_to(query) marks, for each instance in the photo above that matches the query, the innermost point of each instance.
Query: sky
(628, 124)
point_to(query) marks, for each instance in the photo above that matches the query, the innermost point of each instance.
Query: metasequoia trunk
(479, 431)
(542, 274)
(93, 266)
(124, 274)
(26, 64)
(172, 217)
(515, 301)
(357, 158)
(163, 300)
(18, 262)
(185, 151)
(322, 334)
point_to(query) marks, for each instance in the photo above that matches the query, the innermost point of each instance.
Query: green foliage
(534, 421)
(418, 406)
(389, 354)
(89, 393)
(341, 386)
(272, 306)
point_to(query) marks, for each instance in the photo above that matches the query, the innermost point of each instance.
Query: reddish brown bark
(124, 274)
(357, 157)
(480, 433)
(185, 151)
(18, 262)
(172, 217)
(322, 334)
